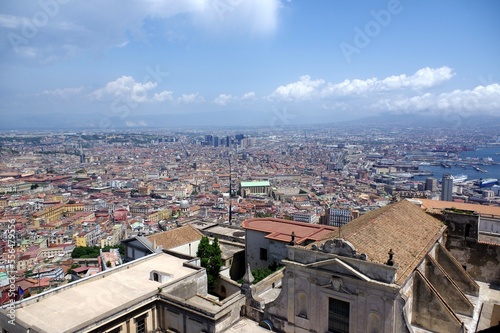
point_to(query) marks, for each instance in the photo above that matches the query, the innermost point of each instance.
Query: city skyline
(234, 62)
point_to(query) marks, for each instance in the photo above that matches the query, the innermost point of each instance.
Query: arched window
(374, 323)
(156, 277)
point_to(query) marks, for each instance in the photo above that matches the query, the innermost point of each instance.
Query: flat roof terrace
(73, 305)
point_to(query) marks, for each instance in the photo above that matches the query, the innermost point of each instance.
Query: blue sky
(241, 62)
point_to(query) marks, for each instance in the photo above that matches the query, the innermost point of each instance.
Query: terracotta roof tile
(403, 227)
(176, 237)
(481, 209)
(280, 229)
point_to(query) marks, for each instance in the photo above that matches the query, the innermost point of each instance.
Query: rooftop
(176, 237)
(281, 230)
(64, 308)
(255, 183)
(481, 209)
(403, 227)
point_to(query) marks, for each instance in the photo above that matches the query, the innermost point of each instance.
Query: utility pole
(230, 191)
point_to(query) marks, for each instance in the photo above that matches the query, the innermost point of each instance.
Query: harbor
(475, 164)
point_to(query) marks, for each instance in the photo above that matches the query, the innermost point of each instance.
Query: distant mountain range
(271, 119)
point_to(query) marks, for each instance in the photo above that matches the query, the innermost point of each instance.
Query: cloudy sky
(244, 62)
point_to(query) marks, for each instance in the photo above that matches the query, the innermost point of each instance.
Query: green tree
(77, 252)
(211, 259)
(215, 262)
(260, 274)
(85, 252)
(203, 251)
(73, 266)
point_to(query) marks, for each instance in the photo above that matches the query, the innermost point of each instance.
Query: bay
(493, 171)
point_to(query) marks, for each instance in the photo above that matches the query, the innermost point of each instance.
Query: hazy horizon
(277, 63)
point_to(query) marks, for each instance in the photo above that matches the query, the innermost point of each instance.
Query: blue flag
(20, 291)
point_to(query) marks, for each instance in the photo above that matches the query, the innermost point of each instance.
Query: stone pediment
(337, 266)
(339, 247)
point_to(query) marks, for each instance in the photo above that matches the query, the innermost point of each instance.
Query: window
(467, 230)
(263, 254)
(140, 325)
(156, 277)
(338, 316)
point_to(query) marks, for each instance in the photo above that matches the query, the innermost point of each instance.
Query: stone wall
(446, 288)
(480, 260)
(462, 224)
(270, 282)
(429, 310)
(303, 304)
(224, 287)
(253, 255)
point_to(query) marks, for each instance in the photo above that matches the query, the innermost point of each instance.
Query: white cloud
(97, 26)
(480, 99)
(11, 21)
(256, 16)
(163, 96)
(304, 89)
(190, 98)
(248, 95)
(223, 99)
(429, 77)
(62, 92)
(125, 87)
(348, 87)
(424, 78)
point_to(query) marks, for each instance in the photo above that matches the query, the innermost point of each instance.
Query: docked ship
(459, 178)
(480, 169)
(487, 182)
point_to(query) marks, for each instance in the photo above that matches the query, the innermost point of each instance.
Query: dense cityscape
(230, 166)
(69, 191)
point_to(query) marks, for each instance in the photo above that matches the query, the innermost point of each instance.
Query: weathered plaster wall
(429, 311)
(481, 261)
(304, 301)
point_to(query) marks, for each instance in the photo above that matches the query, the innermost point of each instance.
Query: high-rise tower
(447, 188)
